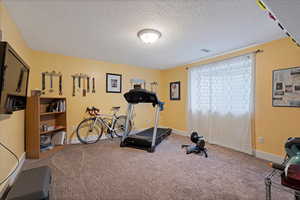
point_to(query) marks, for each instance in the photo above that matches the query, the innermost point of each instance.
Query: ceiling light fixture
(149, 36)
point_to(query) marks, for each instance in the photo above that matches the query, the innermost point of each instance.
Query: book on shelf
(57, 106)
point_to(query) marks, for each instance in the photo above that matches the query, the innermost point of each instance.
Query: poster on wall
(113, 83)
(175, 90)
(286, 87)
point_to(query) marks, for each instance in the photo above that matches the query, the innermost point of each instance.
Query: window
(223, 87)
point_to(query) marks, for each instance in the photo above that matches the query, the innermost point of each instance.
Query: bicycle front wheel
(120, 126)
(89, 132)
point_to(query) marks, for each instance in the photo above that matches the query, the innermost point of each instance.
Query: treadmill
(149, 138)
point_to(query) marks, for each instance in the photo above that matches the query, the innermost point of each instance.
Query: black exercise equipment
(31, 184)
(199, 148)
(289, 170)
(291, 175)
(147, 139)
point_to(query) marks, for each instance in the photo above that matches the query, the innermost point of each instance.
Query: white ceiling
(107, 30)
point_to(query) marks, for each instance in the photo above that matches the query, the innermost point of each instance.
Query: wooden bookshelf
(58, 128)
(51, 113)
(37, 115)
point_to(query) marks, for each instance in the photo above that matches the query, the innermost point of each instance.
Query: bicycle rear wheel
(120, 126)
(89, 132)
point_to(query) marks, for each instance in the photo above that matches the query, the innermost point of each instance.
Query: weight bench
(32, 184)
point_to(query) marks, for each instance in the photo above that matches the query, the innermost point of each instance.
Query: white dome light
(149, 36)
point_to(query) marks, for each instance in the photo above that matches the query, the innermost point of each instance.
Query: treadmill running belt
(143, 139)
(147, 134)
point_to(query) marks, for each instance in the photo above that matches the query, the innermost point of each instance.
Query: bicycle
(90, 130)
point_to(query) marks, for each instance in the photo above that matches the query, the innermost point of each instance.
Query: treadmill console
(139, 95)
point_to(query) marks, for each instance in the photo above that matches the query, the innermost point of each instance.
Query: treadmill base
(143, 139)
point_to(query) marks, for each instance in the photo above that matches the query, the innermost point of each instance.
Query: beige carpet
(106, 171)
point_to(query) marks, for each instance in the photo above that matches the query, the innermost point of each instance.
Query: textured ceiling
(107, 30)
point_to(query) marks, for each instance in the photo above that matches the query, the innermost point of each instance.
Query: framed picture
(113, 83)
(286, 87)
(175, 90)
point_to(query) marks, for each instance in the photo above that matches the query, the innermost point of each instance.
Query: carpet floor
(106, 171)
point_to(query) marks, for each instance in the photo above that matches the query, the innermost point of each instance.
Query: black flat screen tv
(14, 74)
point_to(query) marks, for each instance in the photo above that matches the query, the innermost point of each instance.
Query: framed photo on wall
(286, 87)
(113, 83)
(175, 90)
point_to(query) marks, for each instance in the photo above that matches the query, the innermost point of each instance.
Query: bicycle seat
(116, 108)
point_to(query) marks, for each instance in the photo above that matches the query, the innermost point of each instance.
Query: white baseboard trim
(76, 141)
(180, 132)
(13, 177)
(257, 153)
(269, 156)
(104, 137)
(176, 131)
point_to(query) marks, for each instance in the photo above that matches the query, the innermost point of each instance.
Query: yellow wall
(273, 123)
(12, 126)
(76, 105)
(175, 113)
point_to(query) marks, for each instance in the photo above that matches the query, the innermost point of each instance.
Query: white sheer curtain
(221, 101)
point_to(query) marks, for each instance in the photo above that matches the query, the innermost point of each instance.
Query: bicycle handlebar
(92, 111)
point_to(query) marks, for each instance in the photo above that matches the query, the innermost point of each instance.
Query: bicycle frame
(100, 119)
